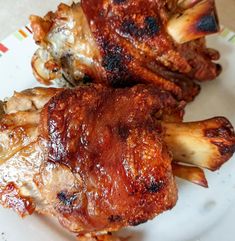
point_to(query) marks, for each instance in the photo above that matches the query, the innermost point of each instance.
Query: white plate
(200, 214)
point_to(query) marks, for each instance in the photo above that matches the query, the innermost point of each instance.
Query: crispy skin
(99, 159)
(120, 43)
(139, 27)
(110, 140)
(88, 156)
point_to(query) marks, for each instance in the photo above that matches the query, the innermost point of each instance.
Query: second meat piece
(120, 43)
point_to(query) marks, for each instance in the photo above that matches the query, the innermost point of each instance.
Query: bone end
(193, 23)
(208, 144)
(192, 174)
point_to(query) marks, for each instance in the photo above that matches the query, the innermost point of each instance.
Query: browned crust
(132, 46)
(126, 148)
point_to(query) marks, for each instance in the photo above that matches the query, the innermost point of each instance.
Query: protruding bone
(192, 174)
(195, 22)
(206, 144)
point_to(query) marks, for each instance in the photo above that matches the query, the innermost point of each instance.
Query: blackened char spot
(137, 222)
(119, 1)
(114, 57)
(129, 27)
(115, 62)
(115, 218)
(86, 79)
(112, 62)
(155, 186)
(225, 149)
(123, 131)
(150, 29)
(207, 24)
(66, 199)
(223, 131)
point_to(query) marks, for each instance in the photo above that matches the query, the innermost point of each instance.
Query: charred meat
(121, 43)
(88, 154)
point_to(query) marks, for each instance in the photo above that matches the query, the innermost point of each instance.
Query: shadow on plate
(131, 235)
(56, 228)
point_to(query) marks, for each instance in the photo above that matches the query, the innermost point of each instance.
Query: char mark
(207, 24)
(123, 131)
(115, 218)
(150, 29)
(86, 79)
(119, 1)
(222, 132)
(155, 186)
(116, 61)
(67, 200)
(113, 62)
(225, 149)
(226, 133)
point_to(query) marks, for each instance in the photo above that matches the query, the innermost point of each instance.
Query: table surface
(14, 14)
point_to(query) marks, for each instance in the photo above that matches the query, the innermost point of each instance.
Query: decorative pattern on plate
(20, 35)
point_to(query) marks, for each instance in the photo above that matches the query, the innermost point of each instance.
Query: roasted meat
(123, 42)
(88, 154)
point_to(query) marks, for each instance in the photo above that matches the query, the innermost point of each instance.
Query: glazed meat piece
(94, 146)
(120, 43)
(92, 152)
